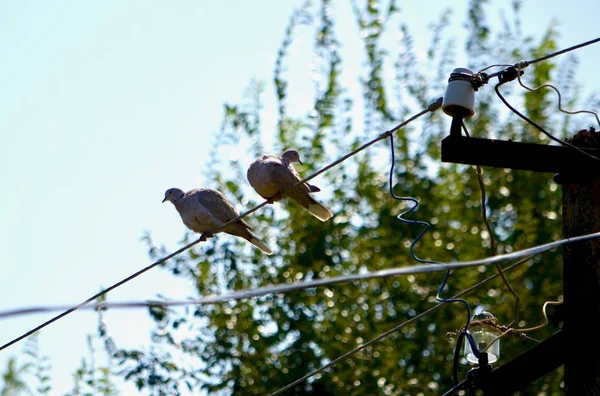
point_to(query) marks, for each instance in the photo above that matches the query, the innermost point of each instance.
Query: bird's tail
(242, 230)
(319, 211)
(260, 244)
(313, 206)
(313, 188)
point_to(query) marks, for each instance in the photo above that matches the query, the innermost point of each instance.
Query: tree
(12, 379)
(91, 378)
(32, 375)
(258, 346)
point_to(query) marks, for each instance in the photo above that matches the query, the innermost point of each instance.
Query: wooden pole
(581, 271)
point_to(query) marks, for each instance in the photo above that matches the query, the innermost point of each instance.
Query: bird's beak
(163, 201)
(300, 162)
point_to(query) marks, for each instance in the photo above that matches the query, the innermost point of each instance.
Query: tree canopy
(257, 346)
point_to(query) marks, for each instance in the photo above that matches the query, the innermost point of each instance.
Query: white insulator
(460, 93)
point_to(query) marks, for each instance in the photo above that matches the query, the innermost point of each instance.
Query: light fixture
(483, 334)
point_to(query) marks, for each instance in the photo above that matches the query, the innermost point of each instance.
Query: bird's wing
(216, 203)
(284, 178)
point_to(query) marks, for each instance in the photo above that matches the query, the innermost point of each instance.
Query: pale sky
(105, 105)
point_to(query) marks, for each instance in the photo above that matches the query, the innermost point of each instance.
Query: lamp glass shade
(483, 335)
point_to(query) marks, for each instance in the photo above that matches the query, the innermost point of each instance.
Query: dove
(271, 175)
(204, 210)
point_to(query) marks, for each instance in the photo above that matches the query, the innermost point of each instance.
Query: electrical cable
(524, 64)
(552, 55)
(559, 96)
(95, 296)
(290, 287)
(546, 321)
(486, 222)
(456, 357)
(426, 226)
(492, 237)
(483, 200)
(490, 66)
(396, 328)
(537, 126)
(431, 108)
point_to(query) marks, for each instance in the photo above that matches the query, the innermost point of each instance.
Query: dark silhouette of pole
(581, 271)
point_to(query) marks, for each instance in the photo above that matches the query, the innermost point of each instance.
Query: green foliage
(95, 375)
(90, 379)
(13, 381)
(257, 346)
(40, 364)
(33, 376)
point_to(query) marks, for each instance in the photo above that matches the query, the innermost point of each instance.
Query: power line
(524, 64)
(552, 55)
(398, 327)
(297, 286)
(431, 108)
(95, 296)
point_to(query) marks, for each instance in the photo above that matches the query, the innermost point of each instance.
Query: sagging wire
(493, 238)
(296, 286)
(425, 227)
(559, 96)
(530, 121)
(282, 288)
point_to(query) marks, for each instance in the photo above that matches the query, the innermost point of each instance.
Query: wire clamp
(509, 74)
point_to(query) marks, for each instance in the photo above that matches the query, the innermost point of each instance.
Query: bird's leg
(205, 236)
(274, 198)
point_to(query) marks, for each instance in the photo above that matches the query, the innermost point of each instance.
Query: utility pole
(577, 344)
(581, 272)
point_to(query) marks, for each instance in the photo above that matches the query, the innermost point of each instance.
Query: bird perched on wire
(272, 177)
(204, 210)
